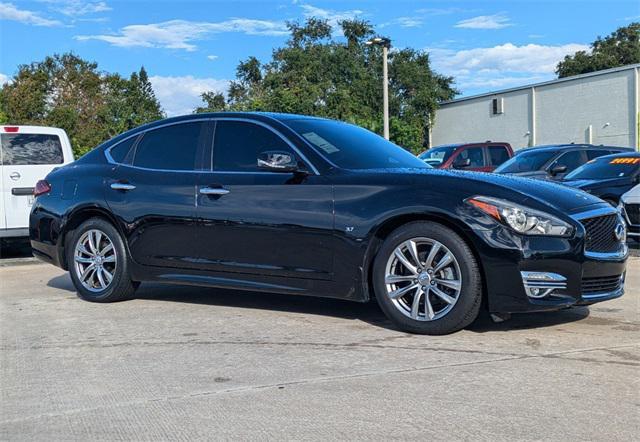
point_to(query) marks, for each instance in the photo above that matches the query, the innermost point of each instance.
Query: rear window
(28, 149)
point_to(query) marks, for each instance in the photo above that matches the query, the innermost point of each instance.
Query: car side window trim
(297, 151)
(110, 159)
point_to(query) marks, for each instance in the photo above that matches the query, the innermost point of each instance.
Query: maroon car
(482, 157)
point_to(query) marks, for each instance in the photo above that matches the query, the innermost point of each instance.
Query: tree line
(314, 73)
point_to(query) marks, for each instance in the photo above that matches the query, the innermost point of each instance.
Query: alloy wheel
(423, 279)
(95, 260)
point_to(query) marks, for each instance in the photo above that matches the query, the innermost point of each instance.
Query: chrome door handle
(122, 186)
(15, 176)
(213, 191)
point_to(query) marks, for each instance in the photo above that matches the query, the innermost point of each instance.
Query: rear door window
(498, 155)
(121, 152)
(31, 149)
(171, 147)
(474, 154)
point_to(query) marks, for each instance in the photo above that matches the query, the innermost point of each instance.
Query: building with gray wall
(600, 108)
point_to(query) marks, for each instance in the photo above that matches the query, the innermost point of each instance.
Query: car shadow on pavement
(368, 312)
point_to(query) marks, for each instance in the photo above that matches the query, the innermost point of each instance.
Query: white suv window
(27, 149)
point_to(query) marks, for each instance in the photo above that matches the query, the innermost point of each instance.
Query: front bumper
(578, 277)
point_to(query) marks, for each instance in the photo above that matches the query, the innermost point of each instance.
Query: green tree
(316, 73)
(620, 48)
(71, 93)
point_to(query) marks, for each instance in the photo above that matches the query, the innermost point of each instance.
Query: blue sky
(189, 47)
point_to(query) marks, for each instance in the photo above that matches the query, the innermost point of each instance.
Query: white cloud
(405, 22)
(180, 34)
(10, 12)
(4, 79)
(181, 95)
(501, 66)
(76, 8)
(333, 17)
(496, 21)
(212, 57)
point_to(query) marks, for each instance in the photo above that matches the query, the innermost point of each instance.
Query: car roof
(476, 143)
(560, 147)
(619, 155)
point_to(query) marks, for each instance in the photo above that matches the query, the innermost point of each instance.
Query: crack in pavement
(318, 380)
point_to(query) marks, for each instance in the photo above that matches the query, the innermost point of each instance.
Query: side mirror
(277, 161)
(461, 163)
(556, 170)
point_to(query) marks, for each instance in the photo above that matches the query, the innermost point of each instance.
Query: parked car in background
(27, 153)
(307, 206)
(630, 208)
(480, 157)
(553, 162)
(607, 177)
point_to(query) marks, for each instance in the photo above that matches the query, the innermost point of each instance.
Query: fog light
(538, 285)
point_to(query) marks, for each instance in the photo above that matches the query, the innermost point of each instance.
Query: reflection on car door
(154, 192)
(276, 224)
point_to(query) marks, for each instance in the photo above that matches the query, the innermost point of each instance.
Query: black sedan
(308, 206)
(607, 177)
(554, 162)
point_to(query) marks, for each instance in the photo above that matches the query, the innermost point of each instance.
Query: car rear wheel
(427, 280)
(98, 263)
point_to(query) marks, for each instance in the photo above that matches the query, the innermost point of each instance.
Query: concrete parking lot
(192, 363)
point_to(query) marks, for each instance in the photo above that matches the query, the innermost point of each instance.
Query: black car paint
(316, 233)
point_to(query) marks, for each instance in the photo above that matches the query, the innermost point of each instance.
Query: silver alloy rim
(423, 279)
(95, 260)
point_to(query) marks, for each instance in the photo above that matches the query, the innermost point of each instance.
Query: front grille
(601, 284)
(600, 234)
(633, 213)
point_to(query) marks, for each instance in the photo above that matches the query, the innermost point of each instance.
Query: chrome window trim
(110, 159)
(275, 131)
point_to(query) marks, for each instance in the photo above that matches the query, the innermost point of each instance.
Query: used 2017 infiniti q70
(299, 205)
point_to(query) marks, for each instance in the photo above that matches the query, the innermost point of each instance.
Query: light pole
(386, 44)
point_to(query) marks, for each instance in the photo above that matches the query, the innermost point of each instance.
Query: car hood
(519, 190)
(591, 184)
(632, 196)
(536, 174)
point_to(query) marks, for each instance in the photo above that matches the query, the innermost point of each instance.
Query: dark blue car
(607, 177)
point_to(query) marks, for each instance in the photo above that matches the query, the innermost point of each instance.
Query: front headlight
(522, 219)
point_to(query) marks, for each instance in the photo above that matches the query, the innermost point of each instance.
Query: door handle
(122, 186)
(15, 176)
(213, 191)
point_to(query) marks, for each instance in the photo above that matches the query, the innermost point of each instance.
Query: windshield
(437, 155)
(604, 168)
(352, 147)
(526, 162)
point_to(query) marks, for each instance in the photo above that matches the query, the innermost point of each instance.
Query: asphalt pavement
(195, 363)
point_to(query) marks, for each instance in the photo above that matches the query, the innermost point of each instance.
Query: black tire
(121, 287)
(466, 308)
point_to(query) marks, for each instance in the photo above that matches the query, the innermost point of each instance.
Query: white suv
(630, 208)
(27, 154)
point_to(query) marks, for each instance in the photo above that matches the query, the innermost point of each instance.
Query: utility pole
(386, 45)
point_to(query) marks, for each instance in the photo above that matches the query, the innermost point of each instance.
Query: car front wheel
(99, 263)
(427, 280)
